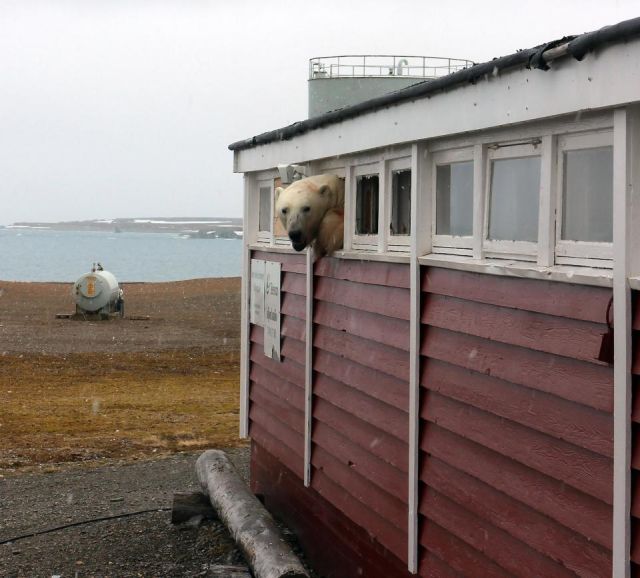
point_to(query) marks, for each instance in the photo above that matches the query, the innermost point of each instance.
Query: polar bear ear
(278, 191)
(323, 190)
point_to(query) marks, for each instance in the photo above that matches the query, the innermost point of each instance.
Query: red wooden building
(451, 398)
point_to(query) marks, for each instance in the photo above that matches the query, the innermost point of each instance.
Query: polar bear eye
(306, 209)
(284, 211)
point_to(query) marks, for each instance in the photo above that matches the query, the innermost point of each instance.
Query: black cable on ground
(81, 523)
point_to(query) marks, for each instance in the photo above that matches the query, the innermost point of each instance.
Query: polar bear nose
(295, 236)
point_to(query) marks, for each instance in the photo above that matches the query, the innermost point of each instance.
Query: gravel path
(141, 545)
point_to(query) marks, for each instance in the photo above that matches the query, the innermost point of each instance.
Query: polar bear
(312, 211)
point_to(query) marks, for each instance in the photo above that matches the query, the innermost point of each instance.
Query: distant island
(194, 227)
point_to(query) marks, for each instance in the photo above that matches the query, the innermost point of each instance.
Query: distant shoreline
(193, 227)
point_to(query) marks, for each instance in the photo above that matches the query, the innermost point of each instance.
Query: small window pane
(367, 205)
(401, 202)
(515, 191)
(264, 220)
(587, 201)
(454, 199)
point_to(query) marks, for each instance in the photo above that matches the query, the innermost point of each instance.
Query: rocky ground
(101, 422)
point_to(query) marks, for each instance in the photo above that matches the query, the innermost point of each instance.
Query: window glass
(587, 200)
(401, 202)
(454, 199)
(264, 221)
(514, 196)
(367, 205)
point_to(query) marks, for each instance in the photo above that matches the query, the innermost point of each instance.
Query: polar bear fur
(312, 212)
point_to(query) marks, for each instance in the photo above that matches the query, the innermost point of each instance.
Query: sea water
(47, 255)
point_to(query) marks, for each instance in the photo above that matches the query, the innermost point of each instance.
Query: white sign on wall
(272, 310)
(257, 292)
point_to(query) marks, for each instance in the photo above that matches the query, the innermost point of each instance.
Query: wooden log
(191, 506)
(250, 524)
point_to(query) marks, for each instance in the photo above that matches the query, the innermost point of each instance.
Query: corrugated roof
(576, 46)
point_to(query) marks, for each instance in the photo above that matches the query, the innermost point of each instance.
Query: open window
(398, 205)
(265, 210)
(584, 226)
(452, 181)
(512, 200)
(366, 207)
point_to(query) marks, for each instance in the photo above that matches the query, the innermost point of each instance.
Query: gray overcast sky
(123, 108)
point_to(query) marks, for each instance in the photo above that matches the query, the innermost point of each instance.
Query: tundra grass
(88, 408)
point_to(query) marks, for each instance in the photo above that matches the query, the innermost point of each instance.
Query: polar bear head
(302, 206)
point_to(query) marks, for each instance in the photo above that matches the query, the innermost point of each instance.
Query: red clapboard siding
(294, 305)
(287, 369)
(387, 419)
(460, 556)
(389, 508)
(388, 389)
(375, 356)
(380, 444)
(277, 430)
(386, 331)
(388, 301)
(576, 510)
(360, 385)
(584, 383)
(365, 272)
(293, 263)
(276, 391)
(334, 544)
(586, 471)
(376, 526)
(570, 338)
(516, 425)
(360, 408)
(361, 461)
(559, 299)
(569, 421)
(520, 521)
(509, 553)
(294, 283)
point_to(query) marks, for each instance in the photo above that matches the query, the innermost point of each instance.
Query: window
(585, 203)
(453, 190)
(366, 205)
(454, 199)
(264, 220)
(400, 203)
(587, 195)
(514, 199)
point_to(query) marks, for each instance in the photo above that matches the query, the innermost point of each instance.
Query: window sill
(634, 283)
(509, 268)
(390, 257)
(274, 248)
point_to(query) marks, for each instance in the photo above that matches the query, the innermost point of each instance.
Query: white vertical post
(308, 370)
(349, 202)
(384, 192)
(479, 183)
(547, 202)
(421, 191)
(250, 227)
(622, 346)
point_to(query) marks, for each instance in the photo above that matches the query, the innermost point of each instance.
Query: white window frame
(394, 243)
(505, 249)
(366, 242)
(450, 244)
(264, 237)
(580, 252)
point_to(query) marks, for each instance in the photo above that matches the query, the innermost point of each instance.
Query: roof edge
(576, 46)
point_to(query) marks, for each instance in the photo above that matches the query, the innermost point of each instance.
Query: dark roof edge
(577, 46)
